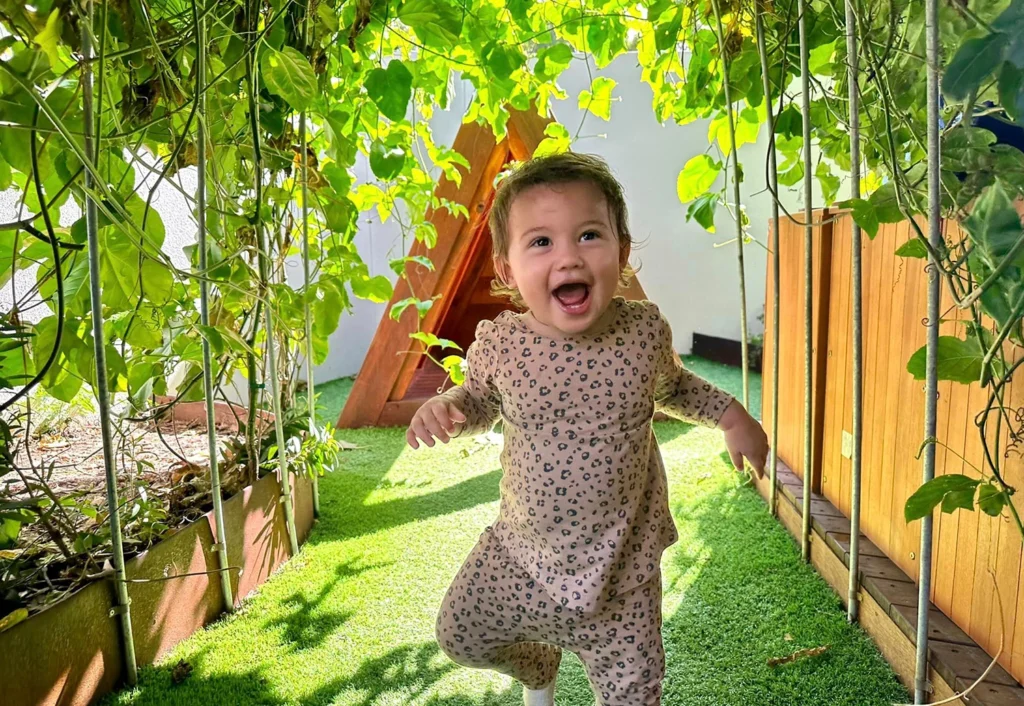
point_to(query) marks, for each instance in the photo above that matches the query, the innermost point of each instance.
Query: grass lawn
(350, 621)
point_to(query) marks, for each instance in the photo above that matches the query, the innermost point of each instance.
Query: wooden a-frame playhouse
(396, 378)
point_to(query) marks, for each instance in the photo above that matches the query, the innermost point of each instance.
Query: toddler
(573, 559)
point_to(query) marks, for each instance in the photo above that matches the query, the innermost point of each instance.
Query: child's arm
(469, 408)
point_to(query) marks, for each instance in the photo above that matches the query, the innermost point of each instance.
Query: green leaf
(552, 61)
(455, 367)
(864, 215)
(991, 499)
(430, 340)
(697, 176)
(398, 264)
(994, 224)
(913, 248)
(966, 148)
(703, 210)
(390, 89)
(929, 495)
(438, 24)
(790, 122)
(598, 100)
(502, 59)
(973, 62)
(376, 289)
(829, 182)
(386, 162)
(958, 500)
(958, 360)
(49, 39)
(327, 16)
(1011, 91)
(885, 204)
(557, 140)
(288, 74)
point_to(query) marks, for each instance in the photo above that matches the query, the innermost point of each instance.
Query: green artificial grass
(350, 621)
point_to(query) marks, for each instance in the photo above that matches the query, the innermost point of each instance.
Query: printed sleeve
(478, 397)
(682, 394)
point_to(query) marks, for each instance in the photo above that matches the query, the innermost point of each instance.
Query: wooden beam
(383, 363)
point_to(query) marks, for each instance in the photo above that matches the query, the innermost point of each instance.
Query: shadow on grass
(407, 673)
(740, 596)
(308, 625)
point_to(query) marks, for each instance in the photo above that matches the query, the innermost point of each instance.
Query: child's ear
(504, 272)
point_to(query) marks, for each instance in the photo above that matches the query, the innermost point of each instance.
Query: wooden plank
(877, 377)
(370, 392)
(900, 414)
(898, 650)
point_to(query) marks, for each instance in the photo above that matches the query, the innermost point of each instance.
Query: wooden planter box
(70, 653)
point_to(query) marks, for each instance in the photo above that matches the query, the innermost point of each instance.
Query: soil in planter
(163, 484)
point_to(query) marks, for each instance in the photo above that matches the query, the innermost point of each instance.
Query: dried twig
(799, 654)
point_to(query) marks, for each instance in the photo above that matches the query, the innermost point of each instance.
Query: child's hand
(434, 418)
(744, 437)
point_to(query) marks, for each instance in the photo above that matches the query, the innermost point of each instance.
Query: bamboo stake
(805, 83)
(262, 257)
(730, 113)
(123, 607)
(853, 602)
(311, 402)
(924, 582)
(221, 545)
(773, 183)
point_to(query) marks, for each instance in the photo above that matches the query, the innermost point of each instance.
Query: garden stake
(924, 582)
(310, 401)
(852, 61)
(262, 245)
(805, 97)
(204, 316)
(123, 607)
(730, 113)
(773, 183)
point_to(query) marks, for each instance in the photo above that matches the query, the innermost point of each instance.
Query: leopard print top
(584, 504)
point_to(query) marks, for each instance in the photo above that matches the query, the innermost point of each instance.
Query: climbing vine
(367, 75)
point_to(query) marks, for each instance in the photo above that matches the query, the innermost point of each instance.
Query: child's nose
(569, 258)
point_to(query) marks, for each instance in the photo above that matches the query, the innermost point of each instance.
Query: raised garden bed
(70, 653)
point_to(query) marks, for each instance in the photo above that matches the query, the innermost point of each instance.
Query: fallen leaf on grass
(181, 671)
(799, 654)
(788, 637)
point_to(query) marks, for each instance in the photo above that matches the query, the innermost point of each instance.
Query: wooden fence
(966, 544)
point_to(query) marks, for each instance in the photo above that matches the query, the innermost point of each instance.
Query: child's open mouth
(573, 298)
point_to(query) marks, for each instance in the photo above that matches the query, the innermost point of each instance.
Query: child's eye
(541, 242)
(590, 235)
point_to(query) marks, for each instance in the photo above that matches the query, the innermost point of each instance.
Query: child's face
(564, 255)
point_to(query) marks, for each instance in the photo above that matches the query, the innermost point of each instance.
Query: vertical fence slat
(921, 689)
(123, 603)
(853, 603)
(773, 184)
(204, 313)
(805, 97)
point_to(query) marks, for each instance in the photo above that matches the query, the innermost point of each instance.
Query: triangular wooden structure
(396, 378)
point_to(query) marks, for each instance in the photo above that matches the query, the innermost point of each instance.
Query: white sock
(540, 697)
